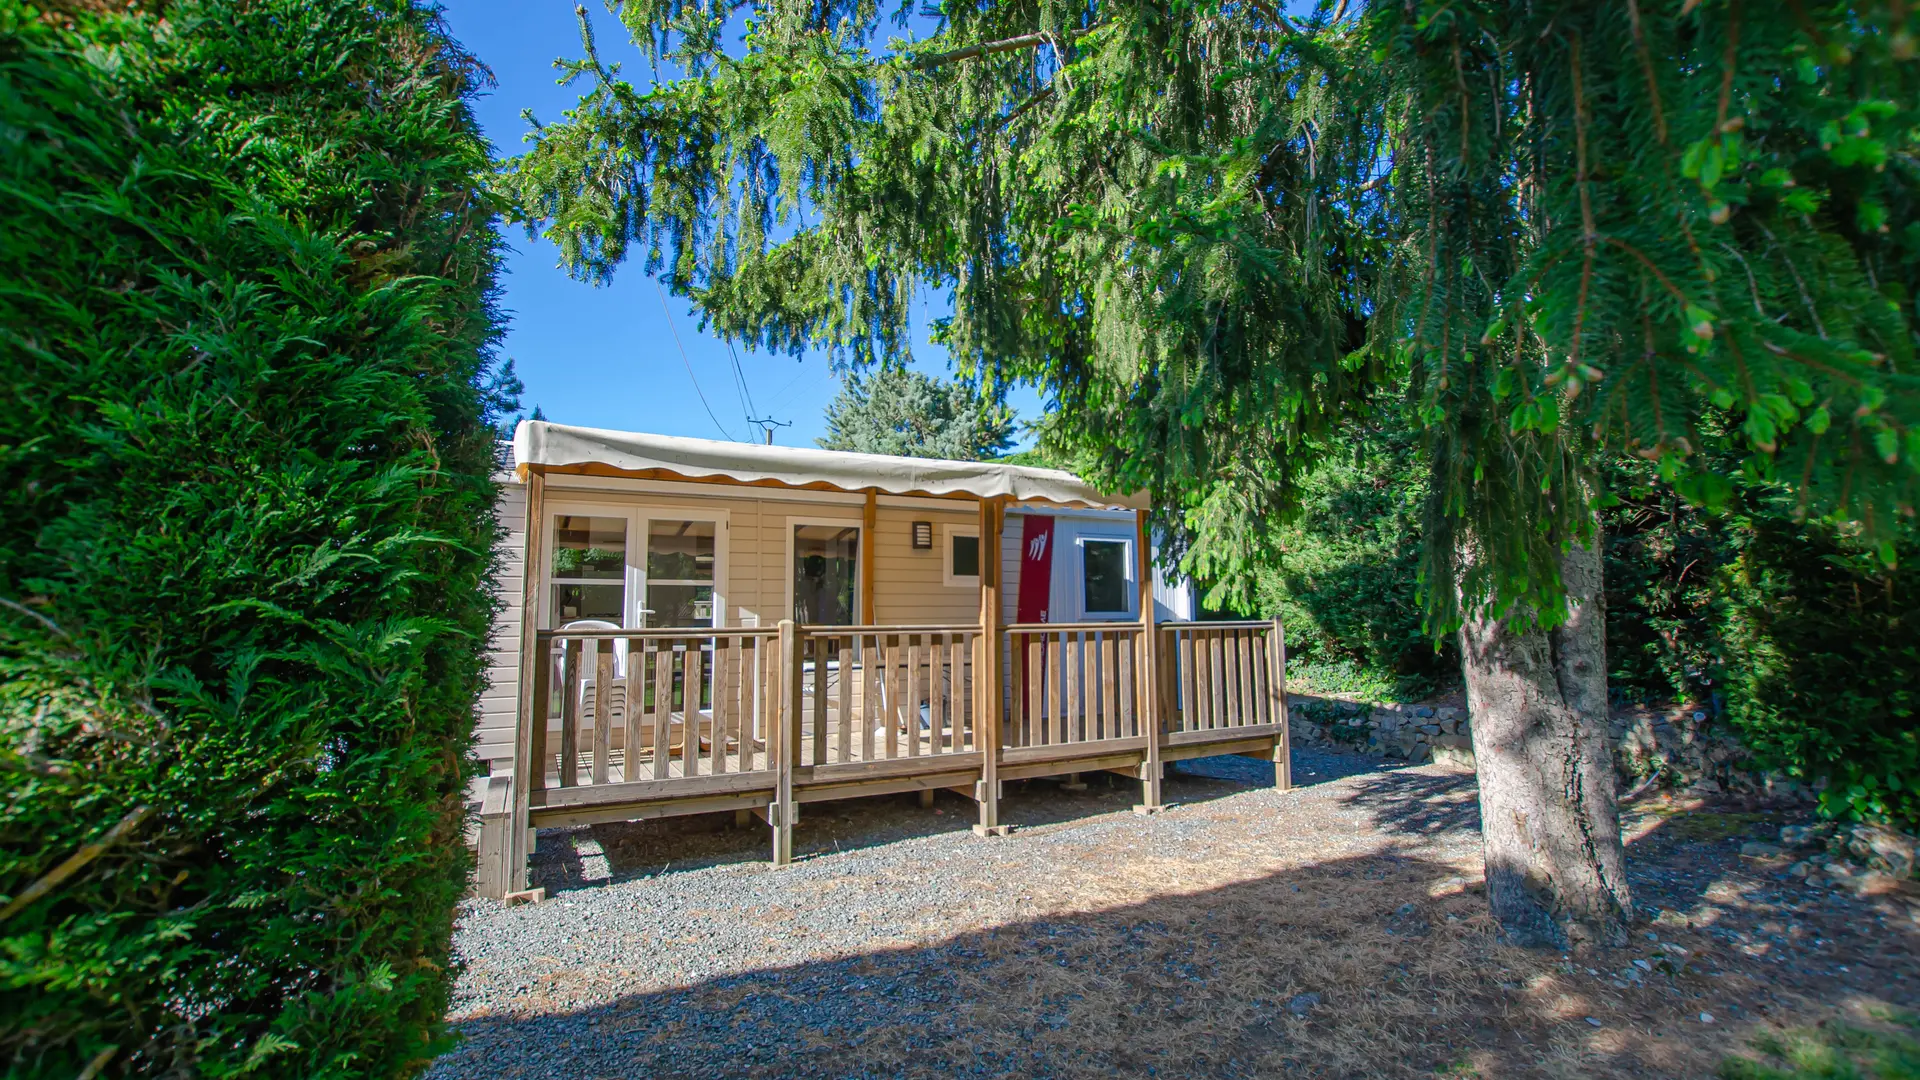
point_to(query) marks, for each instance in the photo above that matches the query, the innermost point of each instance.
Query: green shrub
(1808, 645)
(246, 321)
(1821, 651)
(1805, 642)
(1347, 586)
(1662, 560)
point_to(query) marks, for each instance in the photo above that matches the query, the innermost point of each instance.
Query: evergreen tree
(246, 331)
(896, 410)
(1217, 234)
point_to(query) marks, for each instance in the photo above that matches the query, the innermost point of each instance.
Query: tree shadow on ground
(1379, 964)
(1318, 965)
(1373, 966)
(1419, 802)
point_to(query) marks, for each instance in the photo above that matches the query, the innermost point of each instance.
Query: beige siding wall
(502, 695)
(909, 586)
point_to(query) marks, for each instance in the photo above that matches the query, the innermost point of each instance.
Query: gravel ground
(1331, 930)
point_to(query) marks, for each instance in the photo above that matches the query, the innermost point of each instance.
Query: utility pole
(768, 424)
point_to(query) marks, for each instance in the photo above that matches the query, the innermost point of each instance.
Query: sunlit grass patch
(1834, 1051)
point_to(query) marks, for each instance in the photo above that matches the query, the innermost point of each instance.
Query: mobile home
(693, 626)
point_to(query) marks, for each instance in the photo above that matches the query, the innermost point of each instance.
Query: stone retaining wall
(1416, 733)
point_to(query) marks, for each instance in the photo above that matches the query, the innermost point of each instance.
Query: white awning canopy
(536, 442)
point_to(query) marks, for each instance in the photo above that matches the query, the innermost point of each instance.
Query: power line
(767, 423)
(740, 383)
(688, 363)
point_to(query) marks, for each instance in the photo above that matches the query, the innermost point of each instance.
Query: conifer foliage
(246, 328)
(897, 410)
(1212, 230)
(1219, 234)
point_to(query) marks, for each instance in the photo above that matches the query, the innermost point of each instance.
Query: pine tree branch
(1646, 66)
(1665, 282)
(1038, 97)
(76, 862)
(1274, 16)
(989, 48)
(1587, 229)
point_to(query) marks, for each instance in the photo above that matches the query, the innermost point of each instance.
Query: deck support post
(1147, 670)
(986, 672)
(1277, 703)
(784, 744)
(531, 710)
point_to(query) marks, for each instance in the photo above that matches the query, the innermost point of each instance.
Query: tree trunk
(1556, 870)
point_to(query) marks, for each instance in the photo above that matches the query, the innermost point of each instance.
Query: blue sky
(606, 356)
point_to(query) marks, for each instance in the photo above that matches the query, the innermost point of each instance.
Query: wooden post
(784, 743)
(529, 711)
(869, 519)
(495, 819)
(1147, 670)
(1277, 693)
(986, 671)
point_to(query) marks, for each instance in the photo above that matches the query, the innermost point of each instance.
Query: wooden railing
(1220, 675)
(1072, 683)
(872, 693)
(623, 724)
(637, 705)
(634, 705)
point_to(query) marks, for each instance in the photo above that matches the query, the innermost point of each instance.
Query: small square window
(960, 555)
(966, 556)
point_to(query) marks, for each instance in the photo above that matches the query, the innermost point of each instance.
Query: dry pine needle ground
(1336, 930)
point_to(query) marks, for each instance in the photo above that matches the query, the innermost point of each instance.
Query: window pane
(826, 563)
(679, 605)
(966, 556)
(1104, 574)
(680, 551)
(572, 602)
(589, 547)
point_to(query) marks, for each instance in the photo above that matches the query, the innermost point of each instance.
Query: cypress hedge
(247, 321)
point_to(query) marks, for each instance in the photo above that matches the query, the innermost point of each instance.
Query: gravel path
(1244, 930)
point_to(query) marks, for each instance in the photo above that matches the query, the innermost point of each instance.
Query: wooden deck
(788, 715)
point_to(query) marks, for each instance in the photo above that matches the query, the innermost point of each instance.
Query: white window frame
(948, 578)
(1079, 582)
(629, 581)
(634, 582)
(649, 513)
(860, 553)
